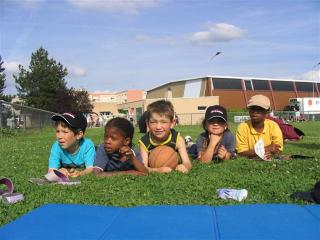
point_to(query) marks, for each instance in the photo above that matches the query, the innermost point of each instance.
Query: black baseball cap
(74, 120)
(216, 111)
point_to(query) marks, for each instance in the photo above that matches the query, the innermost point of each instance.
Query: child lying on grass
(116, 156)
(71, 150)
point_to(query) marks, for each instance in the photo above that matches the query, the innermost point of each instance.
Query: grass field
(25, 155)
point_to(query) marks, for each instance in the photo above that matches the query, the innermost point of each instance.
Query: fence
(16, 116)
(237, 117)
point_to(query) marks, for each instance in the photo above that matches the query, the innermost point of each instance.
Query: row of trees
(43, 85)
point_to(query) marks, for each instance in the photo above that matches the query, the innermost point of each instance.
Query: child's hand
(273, 148)
(64, 171)
(126, 151)
(74, 173)
(165, 169)
(215, 139)
(267, 155)
(222, 152)
(182, 168)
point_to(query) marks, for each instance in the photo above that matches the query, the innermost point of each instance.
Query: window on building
(192, 88)
(318, 86)
(260, 85)
(202, 107)
(305, 86)
(226, 83)
(282, 86)
(248, 84)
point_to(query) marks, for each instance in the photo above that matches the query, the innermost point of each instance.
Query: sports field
(25, 155)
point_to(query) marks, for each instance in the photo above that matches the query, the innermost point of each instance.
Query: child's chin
(217, 132)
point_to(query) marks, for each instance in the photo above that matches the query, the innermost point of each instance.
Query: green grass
(25, 155)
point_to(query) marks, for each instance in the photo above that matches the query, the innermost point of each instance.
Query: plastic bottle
(235, 194)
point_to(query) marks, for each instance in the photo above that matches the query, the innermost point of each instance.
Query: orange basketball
(163, 156)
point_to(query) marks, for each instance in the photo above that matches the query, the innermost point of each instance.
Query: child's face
(159, 126)
(67, 139)
(216, 126)
(114, 140)
(257, 114)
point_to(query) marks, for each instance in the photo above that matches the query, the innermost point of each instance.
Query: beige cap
(260, 101)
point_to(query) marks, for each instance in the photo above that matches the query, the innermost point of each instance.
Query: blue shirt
(111, 162)
(84, 156)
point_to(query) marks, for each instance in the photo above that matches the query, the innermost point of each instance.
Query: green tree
(2, 78)
(72, 100)
(39, 85)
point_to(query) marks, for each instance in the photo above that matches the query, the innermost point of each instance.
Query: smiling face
(257, 114)
(114, 139)
(159, 126)
(216, 126)
(67, 139)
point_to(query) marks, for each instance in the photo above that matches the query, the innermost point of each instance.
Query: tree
(39, 85)
(72, 100)
(80, 100)
(2, 78)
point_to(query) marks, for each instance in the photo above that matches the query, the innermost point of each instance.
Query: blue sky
(112, 45)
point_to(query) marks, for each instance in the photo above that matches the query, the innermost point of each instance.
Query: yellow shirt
(247, 136)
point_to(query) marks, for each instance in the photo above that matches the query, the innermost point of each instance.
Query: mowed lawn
(25, 155)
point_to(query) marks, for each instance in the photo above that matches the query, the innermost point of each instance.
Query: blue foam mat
(87, 222)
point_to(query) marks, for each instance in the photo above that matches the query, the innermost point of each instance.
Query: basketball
(163, 156)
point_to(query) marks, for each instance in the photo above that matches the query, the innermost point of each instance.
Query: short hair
(123, 125)
(161, 107)
(66, 125)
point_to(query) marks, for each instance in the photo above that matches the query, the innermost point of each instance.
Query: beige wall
(177, 89)
(187, 108)
(105, 106)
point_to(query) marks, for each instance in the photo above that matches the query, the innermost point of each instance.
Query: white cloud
(123, 6)
(217, 32)
(312, 75)
(75, 71)
(153, 39)
(11, 67)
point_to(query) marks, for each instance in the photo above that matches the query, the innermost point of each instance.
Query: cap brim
(212, 117)
(251, 105)
(60, 117)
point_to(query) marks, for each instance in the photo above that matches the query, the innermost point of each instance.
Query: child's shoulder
(86, 142)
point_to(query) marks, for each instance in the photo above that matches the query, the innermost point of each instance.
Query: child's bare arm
(139, 166)
(207, 154)
(223, 153)
(186, 165)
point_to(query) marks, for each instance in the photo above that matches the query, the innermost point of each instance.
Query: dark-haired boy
(71, 149)
(258, 127)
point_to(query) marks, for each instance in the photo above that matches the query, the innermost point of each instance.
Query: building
(108, 102)
(102, 97)
(234, 92)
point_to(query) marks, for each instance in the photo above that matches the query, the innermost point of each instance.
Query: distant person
(216, 142)
(297, 116)
(142, 124)
(116, 156)
(176, 117)
(71, 150)
(160, 122)
(258, 127)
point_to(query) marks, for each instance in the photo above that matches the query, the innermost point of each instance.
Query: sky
(116, 45)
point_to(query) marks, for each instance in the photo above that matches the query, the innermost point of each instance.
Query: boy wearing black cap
(217, 142)
(258, 127)
(71, 149)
